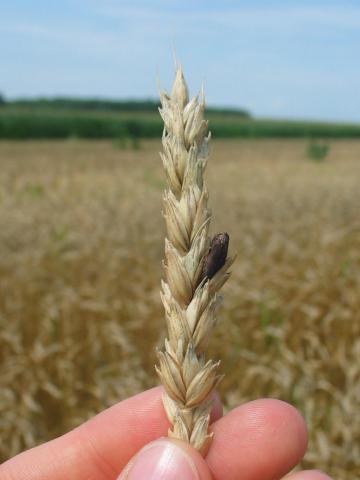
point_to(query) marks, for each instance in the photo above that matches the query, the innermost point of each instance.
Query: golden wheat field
(81, 241)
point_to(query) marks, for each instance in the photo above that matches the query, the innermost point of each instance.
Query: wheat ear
(195, 269)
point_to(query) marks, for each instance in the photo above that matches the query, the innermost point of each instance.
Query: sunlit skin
(260, 440)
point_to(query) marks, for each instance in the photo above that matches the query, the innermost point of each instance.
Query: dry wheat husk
(195, 269)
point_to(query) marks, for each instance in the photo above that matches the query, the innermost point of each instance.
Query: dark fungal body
(216, 256)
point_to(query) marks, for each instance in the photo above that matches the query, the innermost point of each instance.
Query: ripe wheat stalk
(195, 269)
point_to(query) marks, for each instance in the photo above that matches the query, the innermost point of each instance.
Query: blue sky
(279, 59)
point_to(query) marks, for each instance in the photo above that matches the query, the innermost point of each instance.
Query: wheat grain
(195, 269)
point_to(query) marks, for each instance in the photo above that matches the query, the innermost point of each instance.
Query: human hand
(260, 440)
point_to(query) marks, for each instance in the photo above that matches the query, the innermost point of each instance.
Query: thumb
(166, 459)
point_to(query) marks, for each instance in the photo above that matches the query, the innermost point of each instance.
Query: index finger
(102, 446)
(263, 440)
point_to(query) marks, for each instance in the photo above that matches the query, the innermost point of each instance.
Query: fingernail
(160, 460)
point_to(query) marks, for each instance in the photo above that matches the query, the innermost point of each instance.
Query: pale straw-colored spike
(189, 293)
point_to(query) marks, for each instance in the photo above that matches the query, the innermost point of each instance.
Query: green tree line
(94, 118)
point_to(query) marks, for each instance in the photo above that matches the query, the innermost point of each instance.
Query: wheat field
(81, 241)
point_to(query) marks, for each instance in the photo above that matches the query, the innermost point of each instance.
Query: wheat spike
(195, 269)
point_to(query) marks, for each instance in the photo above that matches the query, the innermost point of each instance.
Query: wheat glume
(195, 269)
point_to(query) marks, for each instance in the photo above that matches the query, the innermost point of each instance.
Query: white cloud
(281, 18)
(136, 29)
(87, 40)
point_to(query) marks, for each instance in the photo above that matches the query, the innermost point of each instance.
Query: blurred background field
(81, 243)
